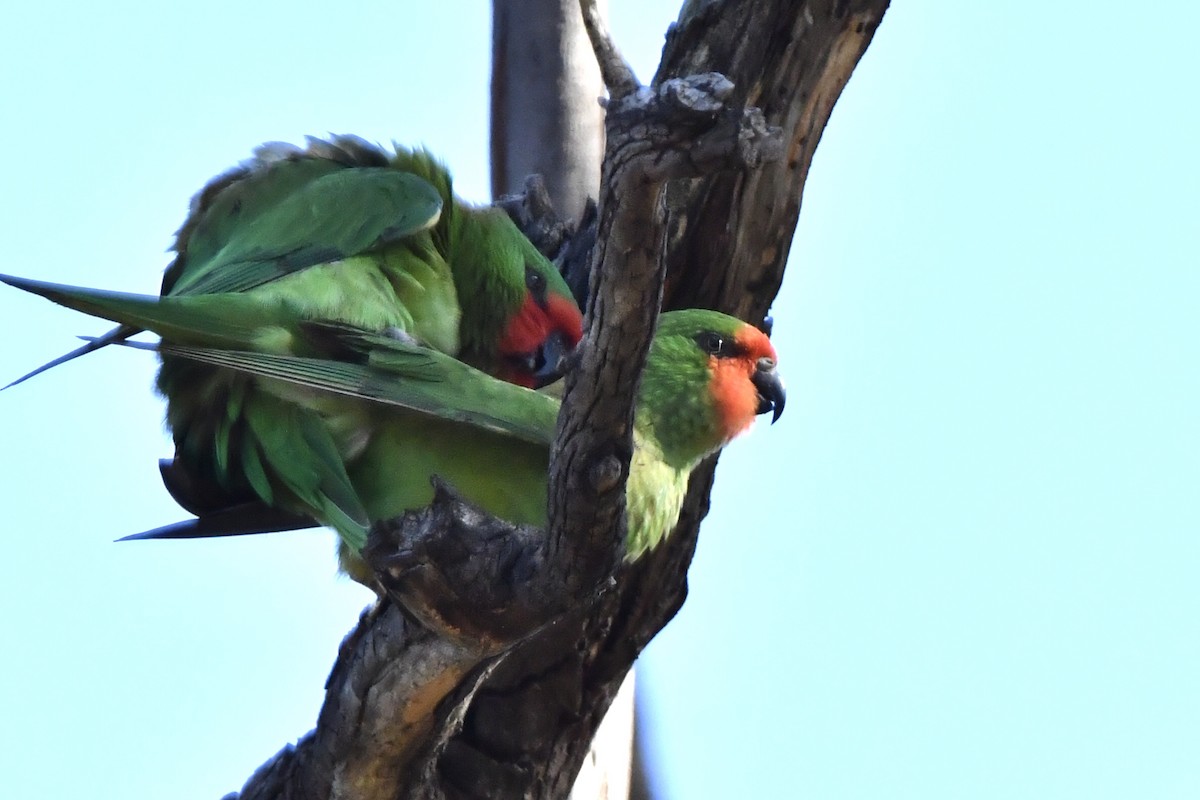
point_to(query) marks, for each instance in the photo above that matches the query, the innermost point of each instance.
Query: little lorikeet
(339, 232)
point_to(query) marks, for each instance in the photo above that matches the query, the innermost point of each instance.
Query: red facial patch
(735, 396)
(530, 327)
(532, 324)
(566, 318)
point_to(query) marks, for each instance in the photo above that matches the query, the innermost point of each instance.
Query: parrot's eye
(535, 282)
(712, 343)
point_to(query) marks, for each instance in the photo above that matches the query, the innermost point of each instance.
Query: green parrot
(343, 232)
(380, 415)
(353, 234)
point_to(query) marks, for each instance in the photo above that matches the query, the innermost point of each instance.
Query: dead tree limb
(512, 644)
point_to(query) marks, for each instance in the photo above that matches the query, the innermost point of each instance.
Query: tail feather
(231, 320)
(117, 334)
(240, 520)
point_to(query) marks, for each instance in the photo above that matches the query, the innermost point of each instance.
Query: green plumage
(350, 233)
(422, 414)
(338, 233)
(349, 425)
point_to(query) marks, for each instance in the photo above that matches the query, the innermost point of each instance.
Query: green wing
(313, 219)
(273, 218)
(291, 459)
(231, 330)
(391, 372)
(233, 198)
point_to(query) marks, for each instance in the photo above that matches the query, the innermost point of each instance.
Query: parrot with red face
(341, 232)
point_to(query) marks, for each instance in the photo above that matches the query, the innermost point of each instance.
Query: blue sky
(962, 565)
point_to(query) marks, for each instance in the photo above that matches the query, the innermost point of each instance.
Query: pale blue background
(964, 563)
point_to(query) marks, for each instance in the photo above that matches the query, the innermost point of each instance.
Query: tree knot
(605, 474)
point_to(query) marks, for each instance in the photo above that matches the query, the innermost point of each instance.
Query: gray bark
(546, 115)
(546, 120)
(499, 650)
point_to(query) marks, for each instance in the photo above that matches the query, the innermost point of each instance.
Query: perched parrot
(346, 233)
(379, 415)
(353, 234)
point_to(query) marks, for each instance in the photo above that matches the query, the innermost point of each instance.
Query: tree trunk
(546, 120)
(546, 115)
(500, 648)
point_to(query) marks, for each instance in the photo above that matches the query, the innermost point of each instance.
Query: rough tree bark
(500, 648)
(547, 121)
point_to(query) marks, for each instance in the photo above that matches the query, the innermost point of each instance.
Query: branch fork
(498, 648)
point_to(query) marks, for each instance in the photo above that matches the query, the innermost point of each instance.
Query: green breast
(653, 497)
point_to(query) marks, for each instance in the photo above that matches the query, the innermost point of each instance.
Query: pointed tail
(240, 520)
(227, 320)
(117, 334)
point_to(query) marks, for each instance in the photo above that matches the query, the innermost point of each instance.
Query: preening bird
(338, 232)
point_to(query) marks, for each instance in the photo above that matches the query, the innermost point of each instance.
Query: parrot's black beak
(550, 361)
(771, 396)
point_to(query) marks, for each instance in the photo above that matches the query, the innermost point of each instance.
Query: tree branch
(681, 130)
(618, 75)
(513, 643)
(792, 59)
(380, 710)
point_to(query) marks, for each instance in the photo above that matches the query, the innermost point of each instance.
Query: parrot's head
(519, 320)
(544, 330)
(707, 377)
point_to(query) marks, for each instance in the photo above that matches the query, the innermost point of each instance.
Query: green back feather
(331, 217)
